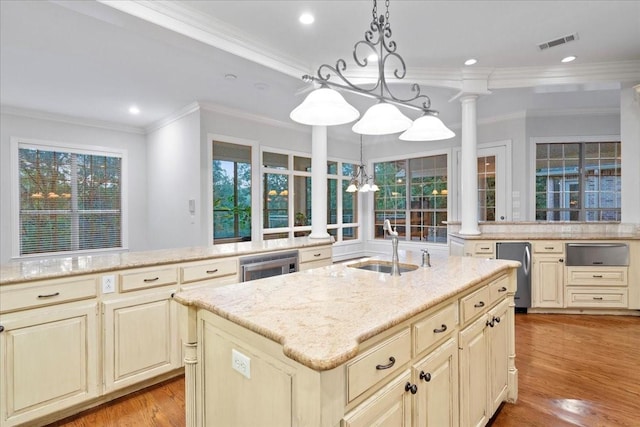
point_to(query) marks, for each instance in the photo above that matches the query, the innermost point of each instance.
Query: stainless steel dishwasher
(519, 251)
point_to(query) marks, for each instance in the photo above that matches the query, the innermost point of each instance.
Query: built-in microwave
(268, 265)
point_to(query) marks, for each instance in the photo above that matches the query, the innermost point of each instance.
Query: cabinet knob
(490, 323)
(411, 387)
(426, 376)
(1, 328)
(392, 361)
(561, 260)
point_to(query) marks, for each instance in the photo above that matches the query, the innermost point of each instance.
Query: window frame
(534, 141)
(17, 143)
(406, 239)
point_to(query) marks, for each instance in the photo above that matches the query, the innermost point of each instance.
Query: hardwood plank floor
(574, 370)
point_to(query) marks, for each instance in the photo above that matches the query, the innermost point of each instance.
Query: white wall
(630, 134)
(173, 178)
(14, 124)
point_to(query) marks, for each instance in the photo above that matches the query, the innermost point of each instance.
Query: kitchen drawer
(23, 297)
(483, 248)
(435, 328)
(148, 278)
(378, 363)
(548, 248)
(498, 289)
(597, 298)
(315, 254)
(475, 303)
(600, 276)
(208, 270)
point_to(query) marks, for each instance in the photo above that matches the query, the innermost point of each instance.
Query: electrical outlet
(108, 284)
(241, 363)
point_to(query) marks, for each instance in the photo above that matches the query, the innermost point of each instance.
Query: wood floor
(574, 370)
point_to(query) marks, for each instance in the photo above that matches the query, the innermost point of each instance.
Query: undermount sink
(382, 266)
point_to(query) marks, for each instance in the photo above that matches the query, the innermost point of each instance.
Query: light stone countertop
(38, 269)
(320, 316)
(549, 235)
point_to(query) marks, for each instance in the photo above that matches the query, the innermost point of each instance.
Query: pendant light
(325, 106)
(360, 180)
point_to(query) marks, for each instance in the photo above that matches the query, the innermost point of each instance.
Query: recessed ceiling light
(470, 61)
(569, 59)
(230, 76)
(306, 19)
(134, 110)
(261, 86)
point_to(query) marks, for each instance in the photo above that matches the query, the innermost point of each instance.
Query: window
(287, 199)
(413, 196)
(578, 181)
(231, 192)
(487, 188)
(70, 200)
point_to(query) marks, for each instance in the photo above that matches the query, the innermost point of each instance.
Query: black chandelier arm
(424, 108)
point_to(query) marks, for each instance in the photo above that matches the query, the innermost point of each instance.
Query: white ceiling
(91, 60)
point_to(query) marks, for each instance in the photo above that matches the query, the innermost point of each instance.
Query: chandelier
(360, 180)
(325, 106)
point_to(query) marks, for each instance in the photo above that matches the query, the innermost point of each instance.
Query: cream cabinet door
(436, 401)
(474, 374)
(49, 361)
(390, 406)
(140, 338)
(498, 355)
(547, 281)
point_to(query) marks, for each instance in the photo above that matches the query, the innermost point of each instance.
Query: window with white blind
(70, 200)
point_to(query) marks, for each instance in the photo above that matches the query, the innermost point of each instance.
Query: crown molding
(239, 114)
(178, 17)
(177, 115)
(61, 118)
(573, 112)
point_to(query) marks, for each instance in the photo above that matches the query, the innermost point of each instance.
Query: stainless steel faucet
(426, 258)
(395, 263)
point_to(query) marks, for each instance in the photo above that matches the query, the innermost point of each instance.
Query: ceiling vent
(558, 42)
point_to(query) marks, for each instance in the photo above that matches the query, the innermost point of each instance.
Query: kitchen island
(343, 346)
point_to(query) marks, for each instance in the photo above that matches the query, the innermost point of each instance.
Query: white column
(319, 183)
(469, 167)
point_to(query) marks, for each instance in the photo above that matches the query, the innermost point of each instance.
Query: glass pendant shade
(382, 119)
(427, 128)
(324, 107)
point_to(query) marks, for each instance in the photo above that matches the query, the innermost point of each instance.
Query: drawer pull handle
(441, 330)
(496, 319)
(411, 387)
(215, 270)
(425, 376)
(317, 255)
(597, 298)
(479, 304)
(548, 247)
(1, 328)
(55, 294)
(485, 249)
(597, 276)
(502, 289)
(151, 280)
(392, 361)
(490, 323)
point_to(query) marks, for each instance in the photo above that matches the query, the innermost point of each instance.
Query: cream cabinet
(484, 365)
(422, 372)
(49, 348)
(435, 403)
(314, 257)
(140, 338)
(547, 275)
(597, 287)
